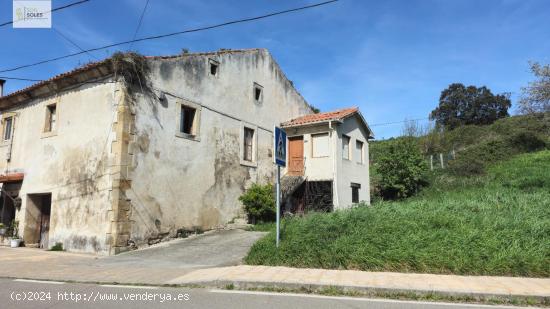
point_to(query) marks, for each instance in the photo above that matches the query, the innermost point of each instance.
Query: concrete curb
(363, 290)
(342, 290)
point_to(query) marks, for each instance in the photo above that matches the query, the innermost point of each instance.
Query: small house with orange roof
(328, 161)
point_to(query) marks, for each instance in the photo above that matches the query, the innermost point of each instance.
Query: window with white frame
(188, 120)
(359, 152)
(248, 155)
(355, 187)
(248, 144)
(214, 67)
(51, 118)
(7, 128)
(320, 145)
(345, 147)
(258, 93)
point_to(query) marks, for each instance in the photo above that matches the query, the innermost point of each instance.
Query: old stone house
(131, 148)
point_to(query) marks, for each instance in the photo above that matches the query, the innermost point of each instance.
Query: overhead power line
(396, 122)
(22, 79)
(54, 10)
(73, 43)
(139, 23)
(370, 125)
(238, 21)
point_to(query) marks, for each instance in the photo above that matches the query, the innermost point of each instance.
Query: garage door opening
(37, 226)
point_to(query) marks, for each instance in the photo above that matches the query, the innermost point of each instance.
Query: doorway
(296, 156)
(37, 226)
(9, 201)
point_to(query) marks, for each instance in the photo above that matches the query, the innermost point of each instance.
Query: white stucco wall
(70, 164)
(181, 183)
(351, 171)
(315, 168)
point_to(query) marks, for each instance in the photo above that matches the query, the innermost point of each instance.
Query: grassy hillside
(512, 135)
(495, 224)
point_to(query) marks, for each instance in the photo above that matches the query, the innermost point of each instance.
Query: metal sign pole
(279, 148)
(278, 202)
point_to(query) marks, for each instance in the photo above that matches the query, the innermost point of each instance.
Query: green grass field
(497, 224)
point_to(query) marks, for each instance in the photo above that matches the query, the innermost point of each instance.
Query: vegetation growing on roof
(133, 69)
(314, 109)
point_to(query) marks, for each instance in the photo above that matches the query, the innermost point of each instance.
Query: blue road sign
(280, 146)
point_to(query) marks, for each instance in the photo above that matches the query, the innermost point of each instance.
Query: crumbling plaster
(185, 183)
(71, 163)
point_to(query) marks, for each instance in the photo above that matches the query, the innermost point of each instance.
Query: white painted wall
(351, 170)
(71, 163)
(315, 168)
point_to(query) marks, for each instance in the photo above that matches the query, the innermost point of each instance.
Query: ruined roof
(337, 115)
(84, 74)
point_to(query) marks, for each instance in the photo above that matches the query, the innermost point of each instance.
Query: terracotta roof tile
(321, 117)
(75, 71)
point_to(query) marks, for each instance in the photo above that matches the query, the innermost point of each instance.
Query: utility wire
(396, 122)
(46, 80)
(139, 23)
(238, 21)
(22, 79)
(56, 9)
(74, 44)
(370, 125)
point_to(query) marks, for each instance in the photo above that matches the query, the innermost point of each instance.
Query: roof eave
(55, 85)
(310, 123)
(371, 134)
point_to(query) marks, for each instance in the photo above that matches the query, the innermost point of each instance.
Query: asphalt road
(40, 294)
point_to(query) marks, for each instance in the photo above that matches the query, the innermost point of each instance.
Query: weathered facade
(130, 149)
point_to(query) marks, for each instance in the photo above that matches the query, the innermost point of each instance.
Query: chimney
(2, 82)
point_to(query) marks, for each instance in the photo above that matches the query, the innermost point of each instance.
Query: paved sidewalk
(64, 266)
(285, 277)
(154, 265)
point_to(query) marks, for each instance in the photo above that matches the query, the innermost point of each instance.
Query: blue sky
(390, 58)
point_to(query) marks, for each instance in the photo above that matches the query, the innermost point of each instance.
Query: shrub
(57, 247)
(259, 203)
(474, 159)
(402, 171)
(466, 166)
(526, 141)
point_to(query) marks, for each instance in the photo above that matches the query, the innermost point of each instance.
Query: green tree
(460, 105)
(536, 96)
(402, 170)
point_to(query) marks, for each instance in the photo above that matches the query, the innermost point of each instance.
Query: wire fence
(440, 160)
